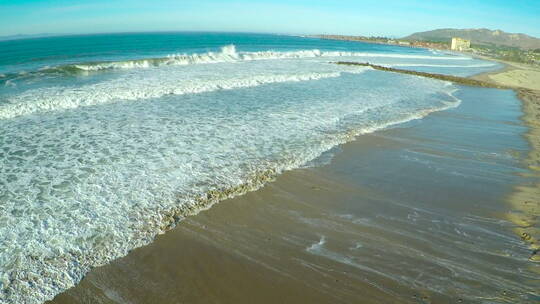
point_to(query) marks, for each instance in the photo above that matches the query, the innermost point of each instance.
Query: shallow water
(101, 137)
(412, 214)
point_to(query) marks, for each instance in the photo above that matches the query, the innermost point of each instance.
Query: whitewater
(98, 157)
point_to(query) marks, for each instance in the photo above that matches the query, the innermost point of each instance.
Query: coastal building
(459, 44)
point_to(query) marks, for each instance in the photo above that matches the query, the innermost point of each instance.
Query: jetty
(454, 79)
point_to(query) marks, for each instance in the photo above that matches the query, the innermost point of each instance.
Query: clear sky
(370, 17)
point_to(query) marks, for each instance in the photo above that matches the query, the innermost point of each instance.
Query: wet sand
(413, 214)
(525, 80)
(525, 201)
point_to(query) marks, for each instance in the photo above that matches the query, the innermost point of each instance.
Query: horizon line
(51, 35)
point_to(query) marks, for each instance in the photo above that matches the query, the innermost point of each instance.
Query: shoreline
(210, 246)
(525, 198)
(438, 46)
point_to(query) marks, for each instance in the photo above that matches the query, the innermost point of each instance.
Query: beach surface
(514, 74)
(413, 214)
(399, 181)
(524, 200)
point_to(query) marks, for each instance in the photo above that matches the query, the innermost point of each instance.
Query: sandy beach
(432, 211)
(514, 74)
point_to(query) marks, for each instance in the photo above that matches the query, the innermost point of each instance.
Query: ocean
(109, 140)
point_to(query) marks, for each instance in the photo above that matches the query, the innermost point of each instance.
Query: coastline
(526, 81)
(396, 42)
(237, 240)
(525, 198)
(517, 75)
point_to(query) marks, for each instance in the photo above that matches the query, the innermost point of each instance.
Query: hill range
(479, 36)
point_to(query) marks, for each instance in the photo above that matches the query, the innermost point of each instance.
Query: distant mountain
(479, 36)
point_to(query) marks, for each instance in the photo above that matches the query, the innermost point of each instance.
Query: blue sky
(371, 17)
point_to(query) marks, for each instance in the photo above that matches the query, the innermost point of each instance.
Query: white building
(459, 44)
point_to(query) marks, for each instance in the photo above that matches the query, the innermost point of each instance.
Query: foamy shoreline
(333, 234)
(525, 228)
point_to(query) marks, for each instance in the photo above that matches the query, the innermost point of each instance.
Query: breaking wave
(226, 54)
(229, 54)
(62, 98)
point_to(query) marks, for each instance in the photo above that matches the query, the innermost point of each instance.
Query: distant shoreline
(440, 46)
(384, 41)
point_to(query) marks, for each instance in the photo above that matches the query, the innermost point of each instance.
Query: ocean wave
(64, 98)
(229, 54)
(226, 54)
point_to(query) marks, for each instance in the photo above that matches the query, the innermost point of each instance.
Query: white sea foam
(172, 76)
(316, 247)
(139, 85)
(229, 54)
(53, 99)
(9, 83)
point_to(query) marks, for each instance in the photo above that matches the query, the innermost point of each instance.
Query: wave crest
(229, 53)
(61, 98)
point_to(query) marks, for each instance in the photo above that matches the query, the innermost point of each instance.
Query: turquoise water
(33, 54)
(102, 137)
